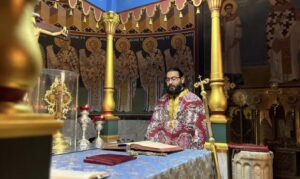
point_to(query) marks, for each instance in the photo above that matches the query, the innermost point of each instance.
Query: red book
(108, 159)
(249, 147)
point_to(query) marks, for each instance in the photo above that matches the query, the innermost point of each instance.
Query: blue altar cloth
(184, 164)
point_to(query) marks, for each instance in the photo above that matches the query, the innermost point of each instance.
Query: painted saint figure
(126, 75)
(232, 34)
(65, 59)
(282, 36)
(92, 71)
(277, 116)
(152, 69)
(182, 59)
(295, 48)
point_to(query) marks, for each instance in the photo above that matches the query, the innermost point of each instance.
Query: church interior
(77, 74)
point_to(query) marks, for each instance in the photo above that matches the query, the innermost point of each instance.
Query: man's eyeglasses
(171, 79)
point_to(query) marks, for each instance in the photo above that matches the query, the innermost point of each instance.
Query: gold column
(110, 20)
(217, 100)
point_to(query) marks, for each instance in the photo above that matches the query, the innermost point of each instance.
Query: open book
(145, 146)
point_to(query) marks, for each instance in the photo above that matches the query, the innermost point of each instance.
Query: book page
(144, 145)
(154, 145)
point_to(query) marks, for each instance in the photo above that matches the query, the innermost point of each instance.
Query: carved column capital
(111, 21)
(214, 5)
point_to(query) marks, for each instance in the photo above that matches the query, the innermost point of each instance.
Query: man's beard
(174, 90)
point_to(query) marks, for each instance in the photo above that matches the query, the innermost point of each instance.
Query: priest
(178, 117)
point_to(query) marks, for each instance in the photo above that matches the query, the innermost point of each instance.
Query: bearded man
(178, 117)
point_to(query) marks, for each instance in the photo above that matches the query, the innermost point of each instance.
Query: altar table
(185, 164)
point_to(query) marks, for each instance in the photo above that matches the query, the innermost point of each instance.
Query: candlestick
(84, 121)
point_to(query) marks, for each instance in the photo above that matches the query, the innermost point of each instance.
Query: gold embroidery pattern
(173, 107)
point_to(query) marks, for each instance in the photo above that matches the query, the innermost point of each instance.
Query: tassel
(55, 5)
(137, 25)
(165, 18)
(33, 20)
(97, 25)
(84, 19)
(71, 12)
(180, 14)
(150, 21)
(124, 27)
(198, 10)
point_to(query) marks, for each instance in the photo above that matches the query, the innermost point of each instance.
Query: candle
(62, 76)
(85, 107)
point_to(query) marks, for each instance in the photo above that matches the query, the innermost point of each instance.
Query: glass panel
(56, 92)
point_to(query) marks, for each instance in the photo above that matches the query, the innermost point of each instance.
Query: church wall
(83, 52)
(263, 62)
(254, 58)
(254, 43)
(256, 75)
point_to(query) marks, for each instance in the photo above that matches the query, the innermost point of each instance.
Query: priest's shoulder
(190, 96)
(164, 98)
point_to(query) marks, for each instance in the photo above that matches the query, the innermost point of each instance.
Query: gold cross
(58, 99)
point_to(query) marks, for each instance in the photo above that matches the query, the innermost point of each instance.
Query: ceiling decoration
(81, 15)
(120, 5)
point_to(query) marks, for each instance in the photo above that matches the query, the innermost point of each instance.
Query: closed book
(108, 159)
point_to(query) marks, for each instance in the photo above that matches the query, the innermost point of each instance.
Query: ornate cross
(58, 99)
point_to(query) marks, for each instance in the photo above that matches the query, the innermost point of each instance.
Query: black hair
(175, 69)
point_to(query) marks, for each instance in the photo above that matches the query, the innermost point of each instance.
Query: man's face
(174, 82)
(178, 43)
(65, 44)
(150, 46)
(228, 9)
(123, 46)
(93, 45)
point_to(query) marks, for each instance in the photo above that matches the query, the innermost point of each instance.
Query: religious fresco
(65, 59)
(283, 41)
(261, 36)
(159, 21)
(261, 55)
(231, 30)
(152, 70)
(158, 53)
(126, 74)
(140, 63)
(92, 77)
(85, 55)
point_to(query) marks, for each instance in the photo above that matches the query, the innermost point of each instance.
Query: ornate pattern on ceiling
(82, 16)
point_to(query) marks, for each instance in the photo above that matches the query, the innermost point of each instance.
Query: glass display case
(56, 92)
